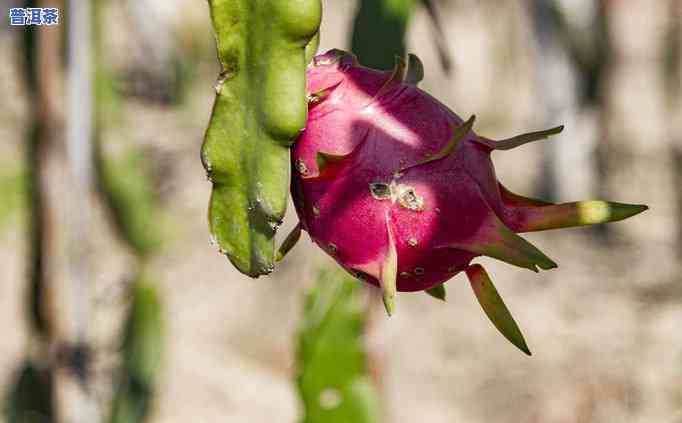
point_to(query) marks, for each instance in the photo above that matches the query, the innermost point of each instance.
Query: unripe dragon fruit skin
(400, 190)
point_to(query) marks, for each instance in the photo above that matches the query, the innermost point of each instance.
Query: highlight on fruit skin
(402, 193)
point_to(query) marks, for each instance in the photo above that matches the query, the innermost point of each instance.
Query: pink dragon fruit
(402, 193)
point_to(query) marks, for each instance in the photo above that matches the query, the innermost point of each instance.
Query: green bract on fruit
(402, 193)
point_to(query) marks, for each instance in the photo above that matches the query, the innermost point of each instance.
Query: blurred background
(111, 290)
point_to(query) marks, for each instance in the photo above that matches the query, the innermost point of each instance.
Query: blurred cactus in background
(379, 31)
(333, 379)
(12, 188)
(57, 381)
(141, 356)
(30, 396)
(124, 180)
(125, 184)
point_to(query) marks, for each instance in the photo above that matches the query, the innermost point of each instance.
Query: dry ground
(604, 327)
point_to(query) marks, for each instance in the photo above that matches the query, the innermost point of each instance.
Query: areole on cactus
(402, 192)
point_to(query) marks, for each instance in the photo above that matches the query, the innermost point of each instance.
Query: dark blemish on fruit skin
(405, 195)
(419, 271)
(331, 247)
(230, 69)
(301, 167)
(317, 97)
(362, 276)
(408, 198)
(380, 191)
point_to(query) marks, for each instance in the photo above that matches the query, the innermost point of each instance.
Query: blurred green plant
(29, 397)
(259, 110)
(124, 180)
(141, 356)
(12, 191)
(30, 400)
(127, 188)
(380, 28)
(333, 381)
(379, 31)
(123, 177)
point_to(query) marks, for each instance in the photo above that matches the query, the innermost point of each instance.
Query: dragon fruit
(402, 193)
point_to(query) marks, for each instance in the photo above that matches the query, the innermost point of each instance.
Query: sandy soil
(603, 327)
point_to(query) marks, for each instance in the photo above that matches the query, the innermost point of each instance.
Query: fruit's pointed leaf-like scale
(494, 307)
(336, 57)
(389, 271)
(415, 70)
(311, 47)
(396, 78)
(457, 136)
(259, 110)
(319, 88)
(325, 163)
(437, 292)
(289, 242)
(496, 240)
(515, 200)
(325, 159)
(519, 140)
(579, 213)
(318, 96)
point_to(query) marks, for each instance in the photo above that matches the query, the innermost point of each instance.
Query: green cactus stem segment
(260, 108)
